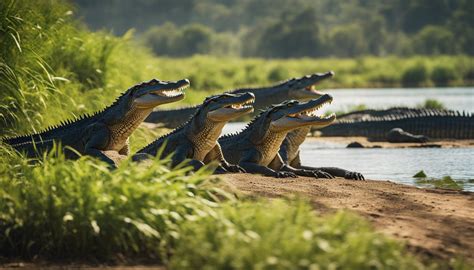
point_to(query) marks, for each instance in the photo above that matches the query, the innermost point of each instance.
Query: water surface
(459, 98)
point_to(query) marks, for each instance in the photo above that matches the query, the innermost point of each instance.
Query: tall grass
(60, 208)
(52, 68)
(278, 235)
(76, 210)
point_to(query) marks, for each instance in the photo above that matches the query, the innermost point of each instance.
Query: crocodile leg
(295, 165)
(249, 163)
(97, 142)
(278, 161)
(224, 166)
(181, 154)
(337, 172)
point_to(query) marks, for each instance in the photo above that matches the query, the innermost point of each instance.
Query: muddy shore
(434, 223)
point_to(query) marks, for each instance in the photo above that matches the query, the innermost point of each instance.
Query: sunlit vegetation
(52, 68)
(432, 104)
(288, 29)
(445, 182)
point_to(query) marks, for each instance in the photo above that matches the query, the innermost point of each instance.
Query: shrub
(415, 75)
(278, 235)
(442, 75)
(79, 209)
(278, 74)
(432, 104)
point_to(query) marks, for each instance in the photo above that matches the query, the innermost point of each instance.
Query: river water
(461, 98)
(398, 165)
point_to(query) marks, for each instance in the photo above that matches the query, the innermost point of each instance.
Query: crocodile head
(128, 111)
(293, 114)
(207, 124)
(304, 88)
(150, 94)
(225, 107)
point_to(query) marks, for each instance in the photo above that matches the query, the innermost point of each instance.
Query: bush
(278, 74)
(79, 209)
(435, 40)
(432, 104)
(442, 75)
(278, 235)
(415, 75)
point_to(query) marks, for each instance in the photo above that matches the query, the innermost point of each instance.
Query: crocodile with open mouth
(196, 140)
(302, 89)
(256, 148)
(106, 130)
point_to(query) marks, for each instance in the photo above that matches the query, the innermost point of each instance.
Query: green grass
(52, 68)
(67, 209)
(278, 235)
(79, 210)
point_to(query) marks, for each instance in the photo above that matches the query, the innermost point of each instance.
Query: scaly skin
(376, 124)
(197, 139)
(107, 130)
(256, 148)
(301, 89)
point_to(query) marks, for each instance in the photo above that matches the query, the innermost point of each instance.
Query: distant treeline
(296, 28)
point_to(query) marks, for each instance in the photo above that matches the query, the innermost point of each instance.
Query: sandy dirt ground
(369, 144)
(433, 222)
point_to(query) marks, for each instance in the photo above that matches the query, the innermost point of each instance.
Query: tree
(194, 39)
(435, 40)
(295, 35)
(347, 41)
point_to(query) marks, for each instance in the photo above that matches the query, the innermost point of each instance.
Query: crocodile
(256, 148)
(197, 138)
(105, 130)
(302, 89)
(376, 124)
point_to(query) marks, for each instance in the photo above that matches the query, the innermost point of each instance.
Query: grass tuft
(279, 235)
(58, 208)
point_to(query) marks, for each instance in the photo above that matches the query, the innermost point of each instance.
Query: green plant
(278, 74)
(444, 182)
(278, 235)
(415, 75)
(432, 104)
(61, 208)
(442, 75)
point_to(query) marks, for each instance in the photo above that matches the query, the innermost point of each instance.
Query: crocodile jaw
(157, 97)
(232, 111)
(307, 116)
(309, 91)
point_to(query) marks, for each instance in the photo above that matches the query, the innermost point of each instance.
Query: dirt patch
(435, 223)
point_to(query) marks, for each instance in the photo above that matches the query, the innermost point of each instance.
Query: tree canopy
(284, 29)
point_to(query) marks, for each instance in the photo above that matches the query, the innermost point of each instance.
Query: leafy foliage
(297, 28)
(61, 208)
(53, 68)
(275, 235)
(415, 76)
(432, 104)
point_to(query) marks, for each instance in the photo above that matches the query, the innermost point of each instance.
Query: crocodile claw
(235, 169)
(285, 175)
(322, 174)
(354, 176)
(220, 170)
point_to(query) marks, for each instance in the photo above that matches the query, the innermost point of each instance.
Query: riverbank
(434, 223)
